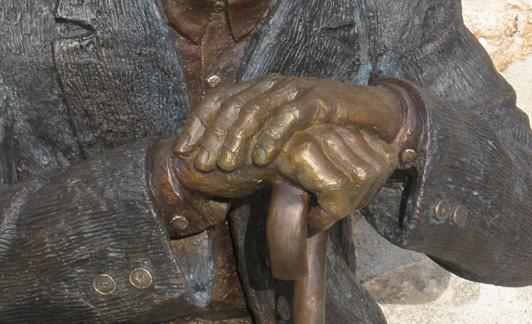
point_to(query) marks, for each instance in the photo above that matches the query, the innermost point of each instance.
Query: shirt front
(211, 38)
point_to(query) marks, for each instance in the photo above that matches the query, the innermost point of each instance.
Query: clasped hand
(335, 140)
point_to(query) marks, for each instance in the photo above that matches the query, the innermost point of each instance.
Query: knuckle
(335, 205)
(227, 162)
(290, 114)
(328, 138)
(303, 149)
(232, 103)
(271, 133)
(293, 81)
(318, 101)
(366, 174)
(335, 184)
(199, 115)
(235, 136)
(253, 108)
(215, 133)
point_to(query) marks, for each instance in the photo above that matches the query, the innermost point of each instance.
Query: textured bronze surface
(205, 40)
(86, 189)
(284, 309)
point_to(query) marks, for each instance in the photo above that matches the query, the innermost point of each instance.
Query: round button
(283, 308)
(179, 222)
(104, 284)
(460, 216)
(213, 81)
(140, 278)
(442, 210)
(408, 156)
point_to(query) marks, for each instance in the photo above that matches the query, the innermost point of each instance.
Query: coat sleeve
(61, 231)
(468, 204)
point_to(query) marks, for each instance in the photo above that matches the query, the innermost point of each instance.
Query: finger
(360, 174)
(390, 156)
(388, 152)
(305, 163)
(319, 221)
(216, 131)
(294, 116)
(357, 143)
(252, 116)
(221, 184)
(201, 116)
(374, 152)
(206, 110)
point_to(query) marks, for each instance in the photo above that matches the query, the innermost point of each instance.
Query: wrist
(184, 211)
(409, 138)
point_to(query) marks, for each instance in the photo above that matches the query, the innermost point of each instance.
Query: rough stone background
(412, 289)
(504, 27)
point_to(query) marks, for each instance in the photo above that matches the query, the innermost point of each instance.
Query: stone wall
(504, 28)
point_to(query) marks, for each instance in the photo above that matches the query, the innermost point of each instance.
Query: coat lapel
(119, 72)
(314, 38)
(7, 165)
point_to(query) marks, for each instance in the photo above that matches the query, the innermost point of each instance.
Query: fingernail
(260, 156)
(226, 160)
(183, 144)
(202, 161)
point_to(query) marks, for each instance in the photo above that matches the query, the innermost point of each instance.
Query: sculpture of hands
(338, 141)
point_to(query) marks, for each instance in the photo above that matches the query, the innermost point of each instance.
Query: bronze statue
(141, 142)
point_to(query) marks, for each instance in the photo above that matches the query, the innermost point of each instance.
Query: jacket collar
(191, 17)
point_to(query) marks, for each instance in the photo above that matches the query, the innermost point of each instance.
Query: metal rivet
(283, 308)
(104, 284)
(408, 156)
(140, 278)
(442, 210)
(460, 216)
(213, 81)
(179, 222)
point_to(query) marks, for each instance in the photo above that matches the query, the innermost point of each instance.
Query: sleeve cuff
(186, 212)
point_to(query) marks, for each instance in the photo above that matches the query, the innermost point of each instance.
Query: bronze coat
(79, 78)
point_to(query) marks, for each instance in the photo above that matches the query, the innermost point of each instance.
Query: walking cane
(294, 256)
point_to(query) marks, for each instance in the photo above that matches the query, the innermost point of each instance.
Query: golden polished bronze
(293, 255)
(310, 292)
(286, 230)
(337, 141)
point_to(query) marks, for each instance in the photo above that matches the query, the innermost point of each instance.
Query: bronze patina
(196, 161)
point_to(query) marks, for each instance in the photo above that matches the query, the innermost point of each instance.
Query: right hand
(342, 166)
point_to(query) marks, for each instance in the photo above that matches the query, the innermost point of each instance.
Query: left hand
(260, 117)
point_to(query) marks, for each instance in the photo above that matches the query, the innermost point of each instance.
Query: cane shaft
(309, 292)
(286, 231)
(294, 256)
